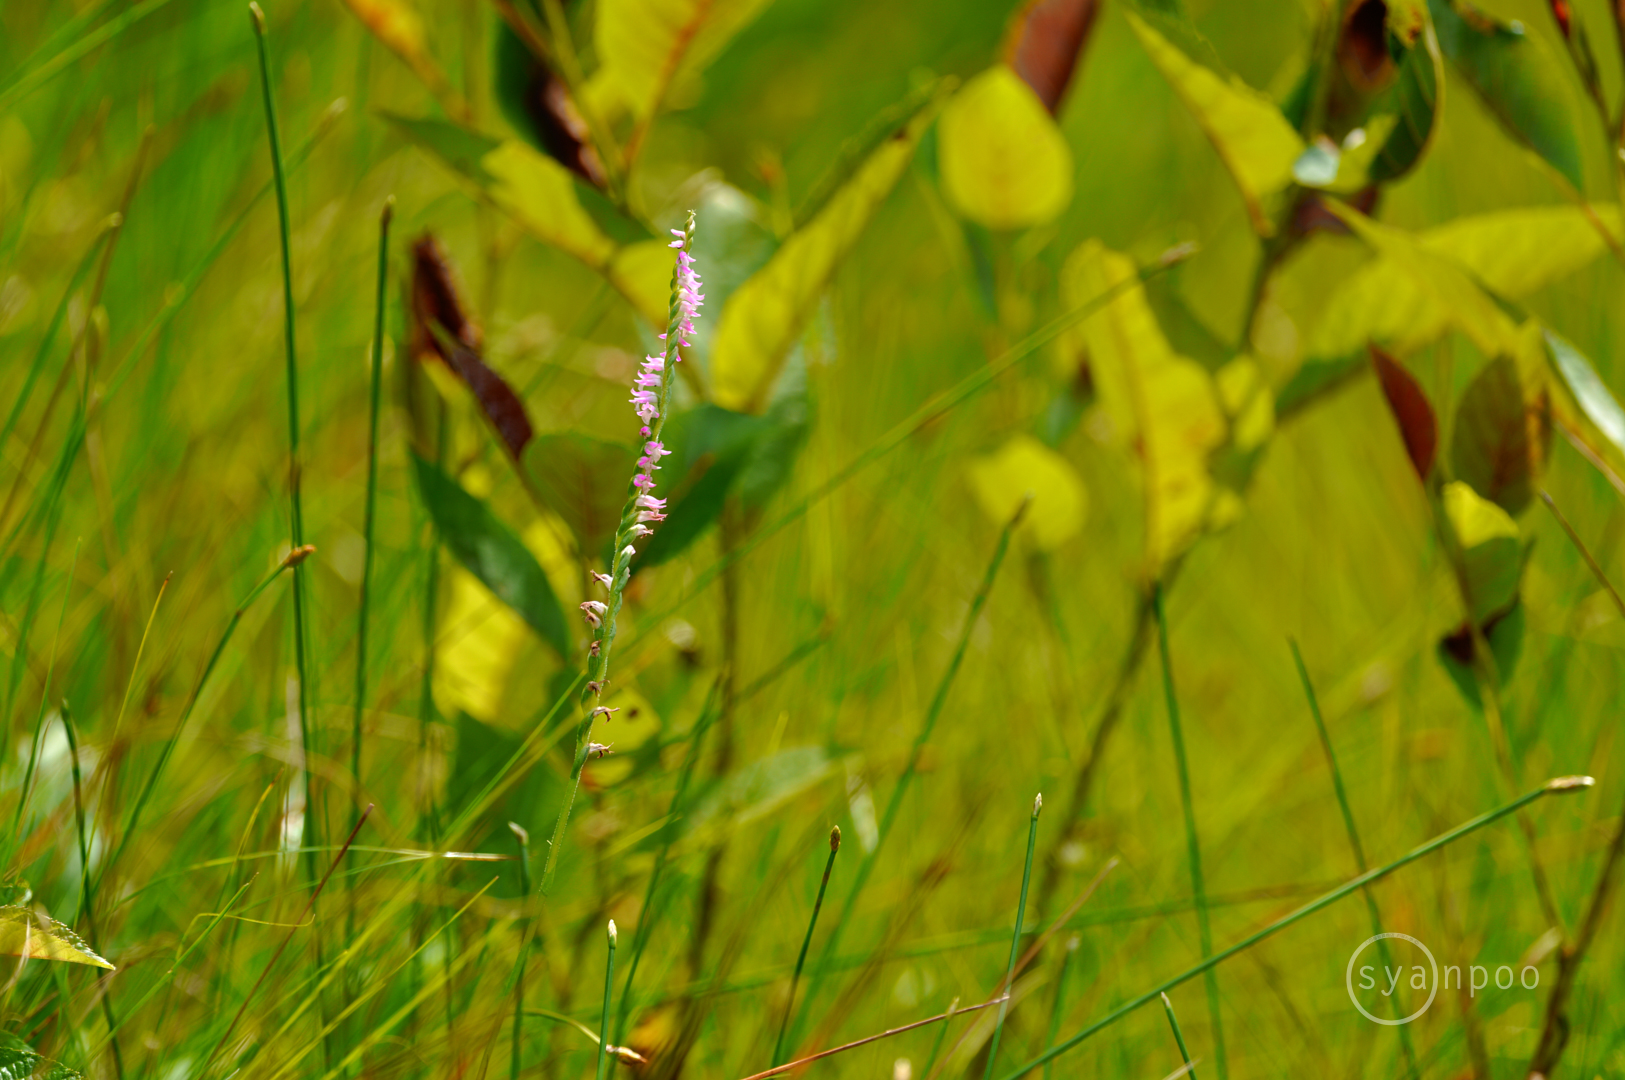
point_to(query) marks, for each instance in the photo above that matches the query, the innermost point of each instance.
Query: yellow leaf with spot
(1003, 160)
(1253, 139)
(1024, 465)
(1163, 406)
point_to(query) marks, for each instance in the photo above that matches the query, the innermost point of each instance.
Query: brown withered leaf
(1044, 43)
(442, 330)
(1412, 411)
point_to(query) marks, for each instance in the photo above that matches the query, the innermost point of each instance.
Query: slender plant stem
(620, 571)
(295, 468)
(806, 942)
(86, 893)
(648, 913)
(516, 1056)
(609, 993)
(927, 726)
(1179, 1038)
(1058, 1008)
(1406, 1046)
(1015, 939)
(1193, 847)
(371, 511)
(1560, 785)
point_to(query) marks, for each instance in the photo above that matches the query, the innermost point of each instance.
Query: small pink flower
(643, 481)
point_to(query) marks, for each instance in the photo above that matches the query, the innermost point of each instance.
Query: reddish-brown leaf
(442, 330)
(1417, 424)
(1045, 40)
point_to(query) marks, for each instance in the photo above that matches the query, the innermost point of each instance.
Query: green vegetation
(1203, 415)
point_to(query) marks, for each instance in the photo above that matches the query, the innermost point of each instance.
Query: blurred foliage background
(1285, 313)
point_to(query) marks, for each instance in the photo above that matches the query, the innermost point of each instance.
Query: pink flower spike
(603, 579)
(675, 244)
(677, 233)
(643, 481)
(648, 515)
(639, 531)
(649, 502)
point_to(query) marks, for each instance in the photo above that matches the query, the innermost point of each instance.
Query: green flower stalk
(651, 398)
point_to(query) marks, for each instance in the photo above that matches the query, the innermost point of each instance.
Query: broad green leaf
(1004, 162)
(1498, 445)
(1413, 412)
(584, 481)
(1251, 135)
(1518, 81)
(1023, 466)
(1588, 411)
(25, 932)
(1511, 252)
(649, 49)
(490, 551)
(1486, 541)
(19, 1062)
(766, 314)
(1413, 102)
(1162, 405)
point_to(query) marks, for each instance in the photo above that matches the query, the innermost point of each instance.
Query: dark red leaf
(1362, 47)
(1417, 424)
(1045, 40)
(442, 330)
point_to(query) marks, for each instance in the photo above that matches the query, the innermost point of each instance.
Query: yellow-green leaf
(648, 47)
(764, 316)
(1248, 402)
(539, 194)
(1487, 542)
(1512, 252)
(1003, 160)
(25, 932)
(1255, 141)
(1162, 405)
(1587, 410)
(1024, 465)
(1439, 278)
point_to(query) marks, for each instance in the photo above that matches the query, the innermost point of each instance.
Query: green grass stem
(806, 942)
(1560, 785)
(516, 1056)
(86, 890)
(1058, 1008)
(1406, 1046)
(1015, 938)
(609, 994)
(301, 642)
(649, 912)
(1193, 847)
(1179, 1038)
